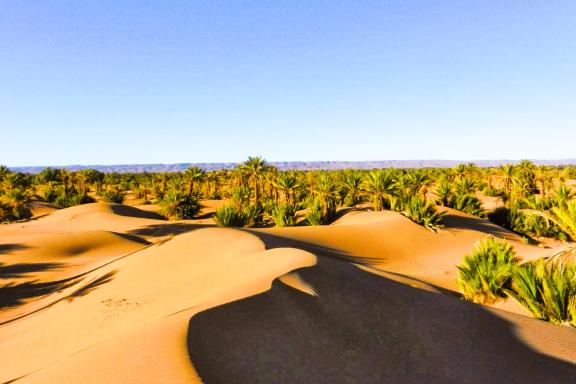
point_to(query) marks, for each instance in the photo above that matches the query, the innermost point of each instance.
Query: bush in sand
(487, 272)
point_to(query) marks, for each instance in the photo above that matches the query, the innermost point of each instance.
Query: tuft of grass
(468, 204)
(114, 196)
(176, 205)
(253, 214)
(284, 215)
(230, 216)
(234, 216)
(315, 214)
(423, 212)
(487, 272)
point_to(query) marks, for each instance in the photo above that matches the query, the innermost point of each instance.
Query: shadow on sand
(482, 225)
(7, 248)
(168, 229)
(361, 329)
(16, 271)
(274, 241)
(14, 294)
(94, 284)
(126, 210)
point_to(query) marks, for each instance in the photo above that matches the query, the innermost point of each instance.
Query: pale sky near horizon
(117, 82)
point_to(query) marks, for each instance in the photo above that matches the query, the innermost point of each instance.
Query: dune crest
(294, 280)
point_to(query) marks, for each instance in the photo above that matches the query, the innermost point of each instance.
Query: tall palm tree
(3, 172)
(255, 168)
(82, 178)
(419, 182)
(194, 175)
(288, 184)
(379, 186)
(163, 178)
(508, 175)
(540, 176)
(460, 171)
(563, 195)
(212, 179)
(326, 191)
(65, 178)
(15, 201)
(353, 184)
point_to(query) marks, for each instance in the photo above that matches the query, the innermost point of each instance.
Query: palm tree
(288, 184)
(211, 178)
(379, 185)
(465, 186)
(508, 174)
(3, 172)
(562, 195)
(353, 184)
(255, 168)
(563, 216)
(163, 179)
(540, 176)
(82, 178)
(460, 171)
(326, 191)
(194, 175)
(65, 178)
(15, 202)
(419, 182)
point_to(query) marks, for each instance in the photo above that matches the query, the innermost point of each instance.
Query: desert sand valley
(109, 292)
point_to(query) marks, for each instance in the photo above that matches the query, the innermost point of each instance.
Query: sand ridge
(188, 273)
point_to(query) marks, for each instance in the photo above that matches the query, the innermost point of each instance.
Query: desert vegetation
(487, 272)
(534, 201)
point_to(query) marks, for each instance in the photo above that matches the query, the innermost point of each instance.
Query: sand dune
(119, 295)
(137, 293)
(392, 242)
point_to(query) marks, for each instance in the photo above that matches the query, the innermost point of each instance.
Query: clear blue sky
(112, 82)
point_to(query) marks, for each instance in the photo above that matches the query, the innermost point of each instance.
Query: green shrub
(548, 290)
(399, 203)
(468, 204)
(254, 215)
(445, 193)
(73, 199)
(494, 192)
(176, 205)
(50, 194)
(509, 218)
(230, 216)
(241, 196)
(526, 222)
(114, 196)
(314, 215)
(14, 205)
(284, 215)
(486, 273)
(424, 213)
(459, 200)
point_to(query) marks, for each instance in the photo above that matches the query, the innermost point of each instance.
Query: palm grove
(534, 201)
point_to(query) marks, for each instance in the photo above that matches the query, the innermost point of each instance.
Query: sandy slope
(128, 303)
(392, 242)
(108, 293)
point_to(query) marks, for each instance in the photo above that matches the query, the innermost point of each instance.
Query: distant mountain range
(299, 165)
